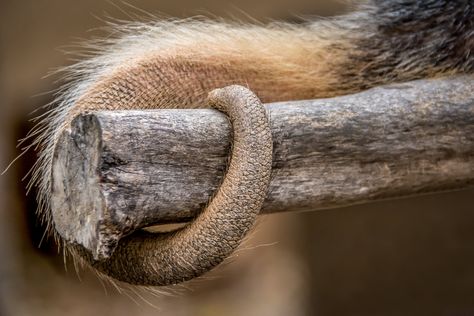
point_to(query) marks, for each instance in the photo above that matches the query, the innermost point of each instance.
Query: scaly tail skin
(169, 64)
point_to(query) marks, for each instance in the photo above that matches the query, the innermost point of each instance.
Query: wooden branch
(115, 172)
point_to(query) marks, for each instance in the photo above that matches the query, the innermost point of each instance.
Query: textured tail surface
(175, 64)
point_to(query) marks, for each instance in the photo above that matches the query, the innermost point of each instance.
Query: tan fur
(174, 64)
(181, 77)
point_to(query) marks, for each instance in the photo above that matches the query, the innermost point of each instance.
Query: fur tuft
(175, 63)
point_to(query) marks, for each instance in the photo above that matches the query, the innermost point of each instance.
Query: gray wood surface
(114, 172)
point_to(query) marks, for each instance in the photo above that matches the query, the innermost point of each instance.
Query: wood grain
(124, 170)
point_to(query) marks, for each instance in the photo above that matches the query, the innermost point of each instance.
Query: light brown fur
(174, 64)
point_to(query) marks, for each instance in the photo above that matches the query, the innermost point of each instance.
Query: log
(115, 172)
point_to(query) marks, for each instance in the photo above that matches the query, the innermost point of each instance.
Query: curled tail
(175, 64)
(145, 258)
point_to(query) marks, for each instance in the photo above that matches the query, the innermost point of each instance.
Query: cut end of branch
(78, 206)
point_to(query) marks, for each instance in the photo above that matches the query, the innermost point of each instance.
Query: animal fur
(174, 64)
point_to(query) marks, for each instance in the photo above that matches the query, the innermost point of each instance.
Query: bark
(131, 169)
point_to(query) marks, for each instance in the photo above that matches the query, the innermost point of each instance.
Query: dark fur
(414, 39)
(383, 42)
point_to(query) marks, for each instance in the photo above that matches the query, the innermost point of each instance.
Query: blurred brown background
(407, 257)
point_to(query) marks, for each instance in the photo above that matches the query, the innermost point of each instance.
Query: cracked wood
(140, 168)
